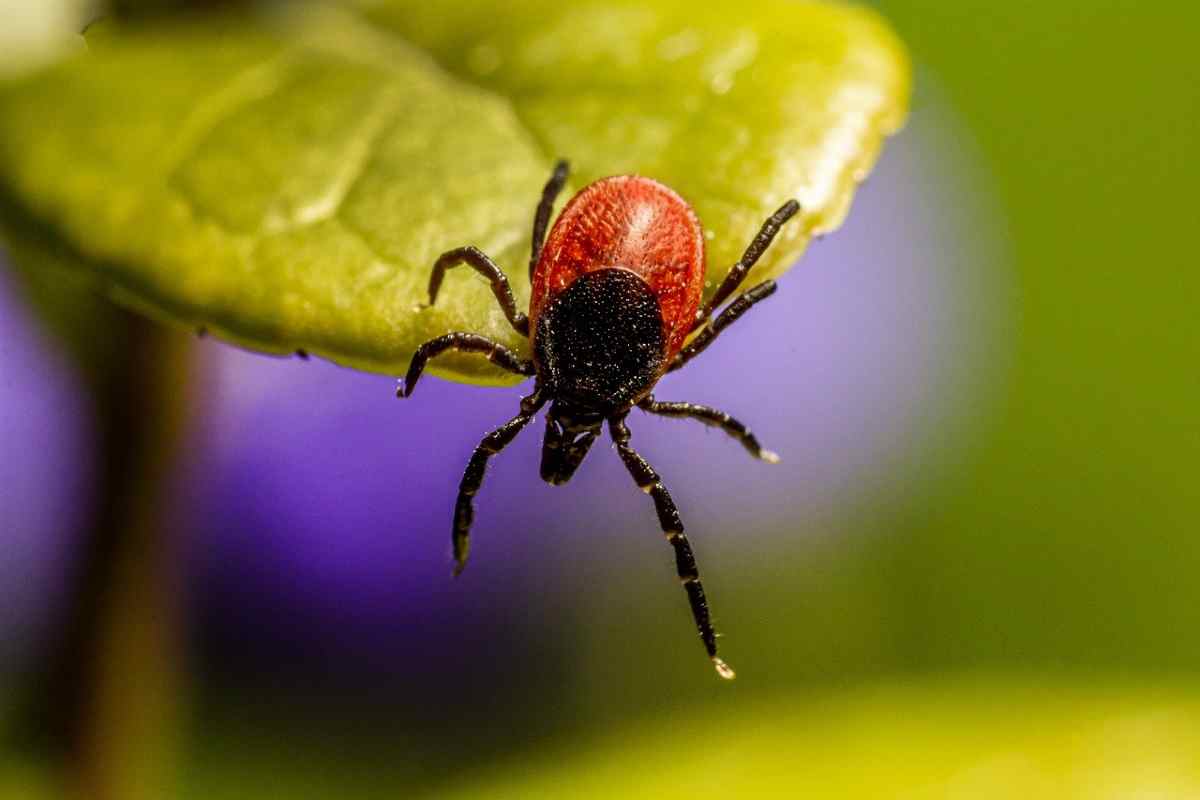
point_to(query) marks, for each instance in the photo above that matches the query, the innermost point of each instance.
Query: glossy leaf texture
(286, 180)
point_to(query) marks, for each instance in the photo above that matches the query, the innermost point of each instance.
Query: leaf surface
(286, 181)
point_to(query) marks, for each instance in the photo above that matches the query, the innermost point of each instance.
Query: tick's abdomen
(599, 343)
(631, 222)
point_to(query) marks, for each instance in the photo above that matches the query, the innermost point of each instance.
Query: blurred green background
(1018, 616)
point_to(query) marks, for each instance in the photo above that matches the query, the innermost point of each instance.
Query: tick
(616, 292)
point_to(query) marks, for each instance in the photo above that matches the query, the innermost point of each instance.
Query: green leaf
(923, 741)
(286, 181)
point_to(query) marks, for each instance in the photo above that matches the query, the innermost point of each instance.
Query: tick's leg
(493, 443)
(668, 516)
(542, 218)
(726, 318)
(495, 352)
(489, 269)
(713, 418)
(757, 247)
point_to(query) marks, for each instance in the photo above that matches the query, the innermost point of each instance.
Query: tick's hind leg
(541, 219)
(495, 352)
(668, 517)
(754, 251)
(713, 418)
(493, 443)
(489, 269)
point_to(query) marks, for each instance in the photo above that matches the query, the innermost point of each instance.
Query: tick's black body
(599, 347)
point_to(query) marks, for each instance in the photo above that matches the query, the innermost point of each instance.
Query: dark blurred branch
(121, 666)
(104, 705)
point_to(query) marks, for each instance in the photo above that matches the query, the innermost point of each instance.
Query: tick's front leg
(481, 263)
(754, 251)
(541, 218)
(495, 352)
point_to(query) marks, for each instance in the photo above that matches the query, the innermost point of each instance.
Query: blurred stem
(110, 699)
(107, 705)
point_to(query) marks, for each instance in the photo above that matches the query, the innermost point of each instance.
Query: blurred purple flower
(45, 431)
